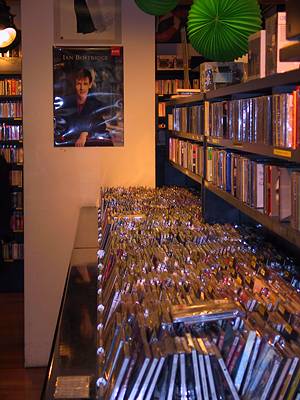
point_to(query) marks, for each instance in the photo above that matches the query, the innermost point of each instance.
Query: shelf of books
(11, 148)
(187, 135)
(169, 80)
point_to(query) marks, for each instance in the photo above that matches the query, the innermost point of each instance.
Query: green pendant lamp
(156, 7)
(219, 29)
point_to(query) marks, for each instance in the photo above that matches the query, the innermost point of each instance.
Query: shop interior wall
(57, 182)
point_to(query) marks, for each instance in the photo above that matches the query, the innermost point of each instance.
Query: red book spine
(236, 355)
(232, 350)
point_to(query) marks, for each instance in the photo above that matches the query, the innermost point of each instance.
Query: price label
(282, 153)
(215, 141)
(248, 279)
(288, 329)
(237, 144)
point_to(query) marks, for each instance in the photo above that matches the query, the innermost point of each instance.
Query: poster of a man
(88, 97)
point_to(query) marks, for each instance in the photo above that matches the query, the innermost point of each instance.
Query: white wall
(59, 181)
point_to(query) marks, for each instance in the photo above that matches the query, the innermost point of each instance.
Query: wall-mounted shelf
(11, 120)
(12, 142)
(253, 86)
(10, 97)
(187, 172)
(15, 188)
(14, 165)
(170, 69)
(290, 53)
(187, 135)
(256, 85)
(163, 97)
(282, 229)
(254, 148)
(185, 100)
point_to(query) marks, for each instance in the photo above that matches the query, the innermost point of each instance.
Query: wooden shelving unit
(8, 79)
(272, 84)
(254, 148)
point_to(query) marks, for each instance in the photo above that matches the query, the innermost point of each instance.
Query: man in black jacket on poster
(81, 120)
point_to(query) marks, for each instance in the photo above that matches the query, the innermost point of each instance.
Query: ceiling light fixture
(9, 35)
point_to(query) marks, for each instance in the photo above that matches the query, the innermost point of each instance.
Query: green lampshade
(219, 29)
(156, 7)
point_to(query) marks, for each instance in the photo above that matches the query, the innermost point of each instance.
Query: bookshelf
(271, 155)
(11, 147)
(167, 81)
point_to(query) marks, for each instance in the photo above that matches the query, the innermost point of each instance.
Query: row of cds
(258, 182)
(11, 132)
(187, 154)
(12, 153)
(11, 109)
(188, 310)
(16, 200)
(188, 119)
(10, 87)
(12, 251)
(270, 120)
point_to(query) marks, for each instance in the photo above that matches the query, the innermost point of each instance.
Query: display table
(72, 363)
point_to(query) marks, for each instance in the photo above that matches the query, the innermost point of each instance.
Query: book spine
(244, 360)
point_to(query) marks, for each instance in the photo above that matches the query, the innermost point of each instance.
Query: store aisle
(16, 382)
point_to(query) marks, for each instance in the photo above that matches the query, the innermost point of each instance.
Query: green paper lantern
(219, 29)
(156, 7)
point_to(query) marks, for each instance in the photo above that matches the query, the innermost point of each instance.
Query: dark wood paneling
(16, 382)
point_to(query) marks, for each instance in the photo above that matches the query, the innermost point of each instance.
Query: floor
(16, 382)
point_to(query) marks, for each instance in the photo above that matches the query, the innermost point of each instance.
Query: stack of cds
(188, 310)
